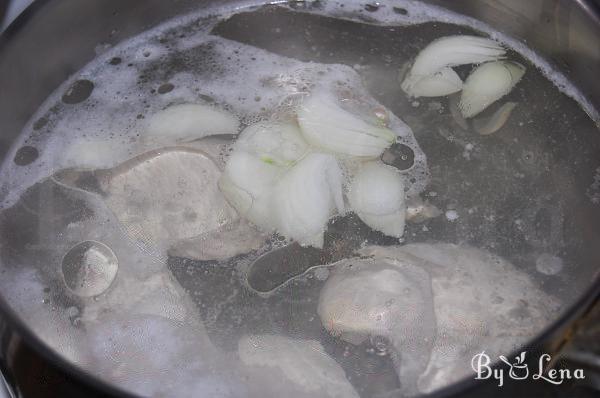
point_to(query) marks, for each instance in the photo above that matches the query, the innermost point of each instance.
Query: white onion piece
(306, 197)
(275, 143)
(487, 84)
(326, 125)
(450, 51)
(444, 82)
(390, 224)
(188, 122)
(378, 198)
(247, 184)
(454, 51)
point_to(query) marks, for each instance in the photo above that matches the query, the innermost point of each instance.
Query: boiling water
(109, 256)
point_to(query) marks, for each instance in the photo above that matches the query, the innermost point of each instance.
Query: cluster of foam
(411, 12)
(108, 127)
(102, 131)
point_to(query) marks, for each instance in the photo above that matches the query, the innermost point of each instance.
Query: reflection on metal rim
(5, 390)
(13, 9)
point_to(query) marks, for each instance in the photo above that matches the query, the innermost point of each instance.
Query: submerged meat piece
(481, 303)
(155, 356)
(168, 196)
(226, 242)
(372, 297)
(157, 295)
(307, 368)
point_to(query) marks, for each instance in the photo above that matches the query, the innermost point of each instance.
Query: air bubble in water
(26, 155)
(89, 268)
(78, 92)
(372, 7)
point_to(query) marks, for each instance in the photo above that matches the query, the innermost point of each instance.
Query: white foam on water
(106, 130)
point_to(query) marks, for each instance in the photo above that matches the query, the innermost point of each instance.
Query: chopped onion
(390, 224)
(247, 184)
(275, 143)
(326, 125)
(305, 198)
(487, 84)
(495, 122)
(377, 196)
(189, 122)
(440, 55)
(454, 51)
(441, 83)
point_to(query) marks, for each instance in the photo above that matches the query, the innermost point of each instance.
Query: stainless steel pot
(55, 38)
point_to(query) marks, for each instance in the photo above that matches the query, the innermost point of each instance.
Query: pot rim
(553, 332)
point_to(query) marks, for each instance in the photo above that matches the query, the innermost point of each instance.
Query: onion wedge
(306, 197)
(441, 83)
(189, 122)
(247, 184)
(280, 144)
(430, 73)
(377, 196)
(487, 84)
(326, 125)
